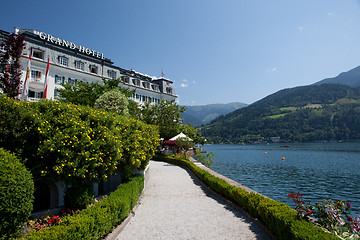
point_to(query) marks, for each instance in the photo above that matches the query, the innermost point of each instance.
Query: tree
(184, 144)
(192, 133)
(85, 93)
(82, 93)
(10, 74)
(166, 115)
(207, 159)
(113, 101)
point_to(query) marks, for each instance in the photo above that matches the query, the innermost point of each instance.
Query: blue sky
(214, 51)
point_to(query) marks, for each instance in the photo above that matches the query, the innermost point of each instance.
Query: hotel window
(36, 75)
(154, 87)
(146, 85)
(79, 65)
(136, 82)
(2, 48)
(169, 90)
(37, 53)
(33, 94)
(63, 60)
(56, 93)
(72, 81)
(111, 74)
(93, 69)
(125, 79)
(59, 79)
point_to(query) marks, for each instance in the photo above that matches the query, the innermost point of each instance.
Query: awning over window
(36, 86)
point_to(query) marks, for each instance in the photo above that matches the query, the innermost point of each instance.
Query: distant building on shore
(71, 63)
(275, 139)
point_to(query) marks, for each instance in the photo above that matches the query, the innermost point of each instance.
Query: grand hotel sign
(71, 45)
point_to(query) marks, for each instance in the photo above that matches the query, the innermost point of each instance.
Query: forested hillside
(309, 113)
(350, 78)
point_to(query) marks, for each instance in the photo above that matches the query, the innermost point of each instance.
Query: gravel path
(176, 206)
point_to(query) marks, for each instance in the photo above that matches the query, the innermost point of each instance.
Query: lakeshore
(175, 205)
(318, 170)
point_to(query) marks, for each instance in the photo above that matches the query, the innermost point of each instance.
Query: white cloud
(300, 28)
(183, 85)
(330, 14)
(273, 69)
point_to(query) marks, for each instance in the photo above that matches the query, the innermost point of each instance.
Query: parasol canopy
(180, 135)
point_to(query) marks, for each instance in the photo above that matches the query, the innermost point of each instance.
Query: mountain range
(200, 115)
(350, 78)
(324, 111)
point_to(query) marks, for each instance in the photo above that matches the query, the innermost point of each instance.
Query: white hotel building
(70, 63)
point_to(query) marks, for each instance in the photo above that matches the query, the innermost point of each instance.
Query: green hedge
(98, 220)
(277, 217)
(16, 195)
(74, 143)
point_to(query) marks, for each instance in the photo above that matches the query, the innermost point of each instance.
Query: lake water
(318, 170)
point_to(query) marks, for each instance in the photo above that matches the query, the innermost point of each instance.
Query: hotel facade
(71, 63)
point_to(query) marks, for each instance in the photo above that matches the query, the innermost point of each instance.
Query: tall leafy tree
(166, 115)
(113, 101)
(192, 133)
(82, 93)
(10, 72)
(85, 93)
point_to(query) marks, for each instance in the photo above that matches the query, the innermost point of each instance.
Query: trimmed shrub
(79, 196)
(98, 220)
(16, 195)
(277, 217)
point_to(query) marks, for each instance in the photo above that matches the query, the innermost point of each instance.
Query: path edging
(115, 233)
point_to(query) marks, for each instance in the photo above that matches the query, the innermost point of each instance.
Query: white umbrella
(181, 135)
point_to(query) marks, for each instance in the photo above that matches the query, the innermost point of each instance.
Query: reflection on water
(319, 170)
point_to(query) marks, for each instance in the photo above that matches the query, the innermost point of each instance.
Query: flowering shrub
(303, 210)
(75, 143)
(47, 220)
(333, 216)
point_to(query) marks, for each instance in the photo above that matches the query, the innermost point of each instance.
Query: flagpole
(46, 80)
(25, 93)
